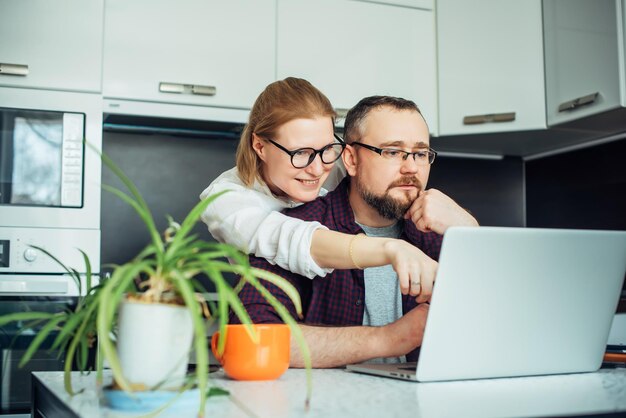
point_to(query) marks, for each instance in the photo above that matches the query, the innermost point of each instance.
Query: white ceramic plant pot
(153, 343)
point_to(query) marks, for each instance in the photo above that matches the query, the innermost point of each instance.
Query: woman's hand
(416, 271)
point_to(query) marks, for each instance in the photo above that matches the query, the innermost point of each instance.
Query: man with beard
(356, 315)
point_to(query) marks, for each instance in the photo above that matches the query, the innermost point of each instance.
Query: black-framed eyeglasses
(303, 157)
(424, 156)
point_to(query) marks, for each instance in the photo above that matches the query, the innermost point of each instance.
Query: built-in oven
(49, 198)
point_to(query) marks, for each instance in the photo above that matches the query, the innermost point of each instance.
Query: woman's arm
(416, 271)
(251, 220)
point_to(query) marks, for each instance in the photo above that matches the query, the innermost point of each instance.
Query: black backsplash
(492, 190)
(584, 189)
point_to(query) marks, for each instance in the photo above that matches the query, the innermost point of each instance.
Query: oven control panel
(25, 268)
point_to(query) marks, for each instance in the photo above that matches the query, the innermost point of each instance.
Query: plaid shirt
(337, 299)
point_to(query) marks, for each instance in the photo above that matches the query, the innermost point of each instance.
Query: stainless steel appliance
(50, 198)
(49, 188)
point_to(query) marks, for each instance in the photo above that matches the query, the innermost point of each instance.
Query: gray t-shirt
(383, 300)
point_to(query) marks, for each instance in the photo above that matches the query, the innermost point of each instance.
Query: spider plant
(169, 267)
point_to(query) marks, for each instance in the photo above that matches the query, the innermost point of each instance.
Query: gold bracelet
(352, 253)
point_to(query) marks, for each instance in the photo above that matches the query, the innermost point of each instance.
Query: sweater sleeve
(251, 221)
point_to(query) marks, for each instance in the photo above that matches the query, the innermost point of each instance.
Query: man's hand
(332, 346)
(416, 271)
(405, 334)
(434, 211)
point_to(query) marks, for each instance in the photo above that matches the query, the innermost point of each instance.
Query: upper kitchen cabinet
(53, 45)
(582, 57)
(353, 49)
(195, 52)
(491, 68)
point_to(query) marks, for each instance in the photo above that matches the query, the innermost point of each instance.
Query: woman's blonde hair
(280, 102)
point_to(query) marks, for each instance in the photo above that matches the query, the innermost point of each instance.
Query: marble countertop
(337, 392)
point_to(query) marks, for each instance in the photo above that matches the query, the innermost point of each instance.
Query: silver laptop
(517, 302)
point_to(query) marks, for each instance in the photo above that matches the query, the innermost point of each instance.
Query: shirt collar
(343, 213)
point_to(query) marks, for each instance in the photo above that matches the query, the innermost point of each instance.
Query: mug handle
(214, 339)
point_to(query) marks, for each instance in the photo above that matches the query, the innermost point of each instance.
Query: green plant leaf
(73, 273)
(202, 354)
(284, 314)
(88, 280)
(24, 316)
(111, 294)
(68, 328)
(40, 338)
(144, 214)
(215, 391)
(189, 221)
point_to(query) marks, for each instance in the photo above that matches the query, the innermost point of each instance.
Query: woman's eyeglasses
(303, 157)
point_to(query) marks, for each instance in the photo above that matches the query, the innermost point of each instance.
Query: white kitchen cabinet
(193, 52)
(53, 45)
(351, 49)
(582, 58)
(491, 75)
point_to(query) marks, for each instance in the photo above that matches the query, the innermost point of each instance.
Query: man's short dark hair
(356, 115)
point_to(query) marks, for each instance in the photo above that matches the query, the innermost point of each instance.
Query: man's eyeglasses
(424, 156)
(303, 157)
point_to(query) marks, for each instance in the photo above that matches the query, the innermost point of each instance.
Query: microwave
(49, 189)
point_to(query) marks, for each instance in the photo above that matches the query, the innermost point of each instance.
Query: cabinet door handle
(171, 88)
(492, 117)
(178, 88)
(578, 102)
(203, 90)
(14, 69)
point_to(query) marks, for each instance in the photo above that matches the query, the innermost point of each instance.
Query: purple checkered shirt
(337, 299)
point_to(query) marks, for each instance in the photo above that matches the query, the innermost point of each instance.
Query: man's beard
(387, 206)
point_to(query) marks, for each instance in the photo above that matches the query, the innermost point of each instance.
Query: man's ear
(258, 145)
(349, 158)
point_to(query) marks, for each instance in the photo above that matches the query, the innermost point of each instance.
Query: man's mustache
(406, 181)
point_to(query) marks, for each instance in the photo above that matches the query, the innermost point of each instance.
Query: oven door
(15, 387)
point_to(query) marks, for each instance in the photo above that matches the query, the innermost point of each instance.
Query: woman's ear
(349, 158)
(258, 145)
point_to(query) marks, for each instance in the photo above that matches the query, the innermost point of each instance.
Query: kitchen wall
(580, 189)
(492, 190)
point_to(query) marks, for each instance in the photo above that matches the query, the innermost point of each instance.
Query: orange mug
(244, 360)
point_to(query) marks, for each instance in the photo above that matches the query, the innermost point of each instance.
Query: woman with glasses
(286, 153)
